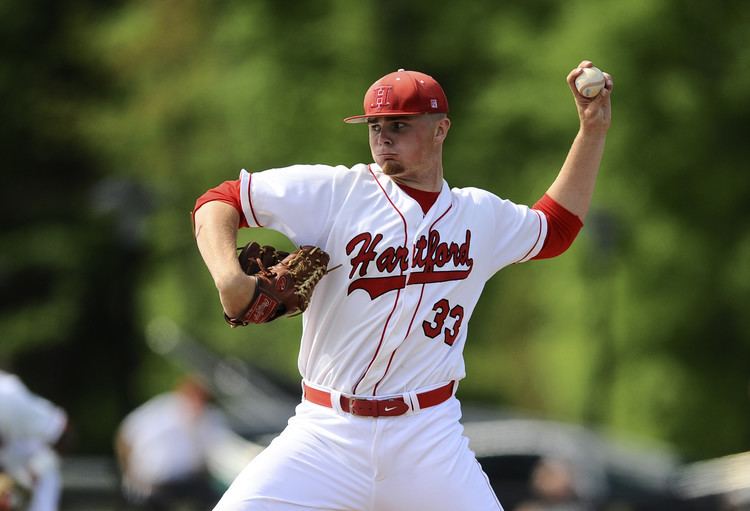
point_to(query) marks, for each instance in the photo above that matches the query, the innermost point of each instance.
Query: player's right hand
(595, 113)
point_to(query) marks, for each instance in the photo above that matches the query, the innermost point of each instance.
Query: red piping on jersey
(408, 331)
(398, 293)
(250, 199)
(430, 229)
(539, 235)
(421, 294)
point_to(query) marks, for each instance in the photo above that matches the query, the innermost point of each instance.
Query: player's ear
(441, 129)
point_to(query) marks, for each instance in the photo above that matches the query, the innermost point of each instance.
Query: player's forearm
(216, 235)
(574, 186)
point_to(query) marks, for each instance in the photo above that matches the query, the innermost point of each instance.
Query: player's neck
(419, 184)
(427, 179)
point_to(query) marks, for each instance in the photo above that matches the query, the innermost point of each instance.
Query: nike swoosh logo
(389, 408)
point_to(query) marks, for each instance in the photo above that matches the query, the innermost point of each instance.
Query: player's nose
(383, 139)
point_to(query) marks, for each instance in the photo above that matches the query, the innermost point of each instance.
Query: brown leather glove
(283, 282)
(254, 257)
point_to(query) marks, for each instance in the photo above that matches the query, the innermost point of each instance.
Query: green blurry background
(116, 115)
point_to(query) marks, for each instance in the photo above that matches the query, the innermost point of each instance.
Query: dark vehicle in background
(528, 460)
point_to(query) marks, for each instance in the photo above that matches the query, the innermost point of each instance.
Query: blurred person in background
(553, 488)
(162, 449)
(31, 428)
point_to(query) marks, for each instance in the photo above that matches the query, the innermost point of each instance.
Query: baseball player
(383, 335)
(30, 426)
(162, 448)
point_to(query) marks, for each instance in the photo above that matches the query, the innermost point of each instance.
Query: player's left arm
(574, 185)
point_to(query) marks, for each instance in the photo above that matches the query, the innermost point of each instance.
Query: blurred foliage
(119, 114)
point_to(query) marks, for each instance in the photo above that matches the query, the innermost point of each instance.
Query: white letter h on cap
(381, 96)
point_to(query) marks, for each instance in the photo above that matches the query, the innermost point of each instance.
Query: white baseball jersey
(394, 317)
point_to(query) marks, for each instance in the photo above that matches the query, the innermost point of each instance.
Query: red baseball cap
(402, 93)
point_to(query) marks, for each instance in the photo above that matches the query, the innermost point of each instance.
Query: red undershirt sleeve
(562, 227)
(227, 192)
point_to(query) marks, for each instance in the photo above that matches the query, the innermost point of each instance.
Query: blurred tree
(68, 276)
(681, 331)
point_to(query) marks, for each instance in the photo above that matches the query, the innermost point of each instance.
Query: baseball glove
(284, 281)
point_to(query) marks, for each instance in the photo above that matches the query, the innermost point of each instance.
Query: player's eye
(375, 128)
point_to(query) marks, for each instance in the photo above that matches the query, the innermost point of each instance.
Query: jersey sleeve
(518, 232)
(297, 201)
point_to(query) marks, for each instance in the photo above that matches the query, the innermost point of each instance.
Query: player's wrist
(592, 133)
(230, 278)
(236, 293)
(592, 130)
(594, 124)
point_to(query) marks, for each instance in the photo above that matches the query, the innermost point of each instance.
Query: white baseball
(590, 82)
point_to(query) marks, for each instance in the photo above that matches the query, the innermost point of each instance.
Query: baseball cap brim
(358, 119)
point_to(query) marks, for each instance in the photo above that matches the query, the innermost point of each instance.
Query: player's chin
(391, 167)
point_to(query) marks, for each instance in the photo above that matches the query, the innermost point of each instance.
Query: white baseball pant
(327, 459)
